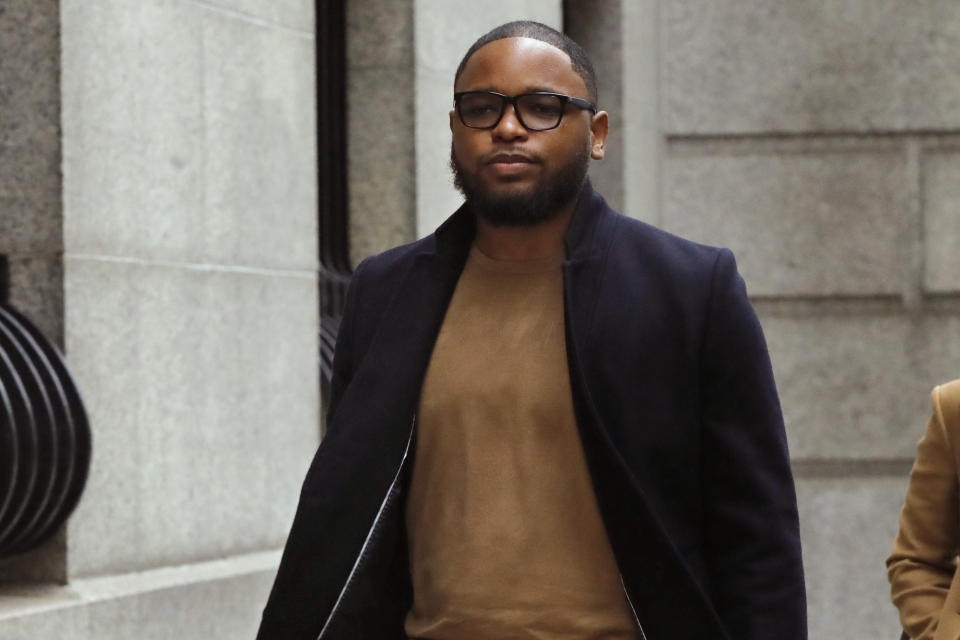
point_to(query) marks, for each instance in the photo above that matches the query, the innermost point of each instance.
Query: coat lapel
(400, 350)
(395, 363)
(586, 240)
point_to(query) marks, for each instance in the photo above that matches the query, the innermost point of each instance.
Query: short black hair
(538, 31)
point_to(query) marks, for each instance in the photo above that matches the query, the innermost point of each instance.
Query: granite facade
(847, 527)
(941, 219)
(758, 66)
(175, 258)
(381, 134)
(855, 383)
(818, 140)
(31, 211)
(202, 443)
(800, 221)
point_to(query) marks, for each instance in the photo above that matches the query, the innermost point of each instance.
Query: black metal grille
(44, 434)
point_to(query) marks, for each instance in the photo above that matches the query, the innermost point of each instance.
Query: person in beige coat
(924, 579)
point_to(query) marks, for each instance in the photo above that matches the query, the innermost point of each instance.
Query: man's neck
(542, 240)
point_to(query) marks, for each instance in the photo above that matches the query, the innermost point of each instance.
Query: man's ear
(453, 114)
(599, 127)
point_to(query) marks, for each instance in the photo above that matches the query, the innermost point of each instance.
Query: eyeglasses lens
(537, 112)
(540, 112)
(480, 110)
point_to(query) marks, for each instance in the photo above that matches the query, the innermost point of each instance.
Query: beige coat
(924, 578)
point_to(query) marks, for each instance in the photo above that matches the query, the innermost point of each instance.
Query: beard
(546, 200)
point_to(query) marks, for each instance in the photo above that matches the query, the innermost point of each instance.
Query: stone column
(31, 204)
(381, 121)
(190, 316)
(622, 39)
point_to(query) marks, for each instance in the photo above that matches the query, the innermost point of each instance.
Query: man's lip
(510, 158)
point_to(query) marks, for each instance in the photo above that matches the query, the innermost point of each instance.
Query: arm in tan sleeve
(922, 563)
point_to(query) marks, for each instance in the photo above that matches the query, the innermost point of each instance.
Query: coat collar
(412, 319)
(588, 226)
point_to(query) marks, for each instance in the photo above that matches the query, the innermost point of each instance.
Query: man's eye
(479, 109)
(541, 106)
(545, 109)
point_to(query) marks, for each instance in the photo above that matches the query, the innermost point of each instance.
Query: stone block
(800, 221)
(640, 118)
(202, 391)
(379, 34)
(445, 30)
(260, 178)
(133, 128)
(189, 134)
(292, 14)
(30, 211)
(381, 165)
(748, 66)
(36, 290)
(847, 526)
(221, 599)
(31, 214)
(133, 114)
(381, 89)
(941, 219)
(228, 607)
(857, 384)
(63, 624)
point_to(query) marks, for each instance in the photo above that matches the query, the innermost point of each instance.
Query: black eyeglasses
(537, 111)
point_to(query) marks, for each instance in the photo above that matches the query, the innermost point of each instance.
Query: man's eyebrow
(535, 89)
(478, 89)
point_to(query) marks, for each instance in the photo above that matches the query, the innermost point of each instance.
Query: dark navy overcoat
(677, 411)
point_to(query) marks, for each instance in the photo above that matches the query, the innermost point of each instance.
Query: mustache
(510, 155)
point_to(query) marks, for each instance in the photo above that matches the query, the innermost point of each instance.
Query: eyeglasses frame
(580, 103)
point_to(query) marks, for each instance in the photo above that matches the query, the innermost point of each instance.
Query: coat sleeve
(751, 530)
(922, 563)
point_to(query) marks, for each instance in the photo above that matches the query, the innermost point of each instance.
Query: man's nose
(509, 127)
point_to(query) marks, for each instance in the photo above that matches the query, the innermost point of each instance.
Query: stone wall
(381, 136)
(175, 254)
(189, 314)
(817, 140)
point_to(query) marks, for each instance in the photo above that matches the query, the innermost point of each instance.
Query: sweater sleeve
(923, 560)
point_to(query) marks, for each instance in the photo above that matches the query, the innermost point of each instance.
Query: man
(547, 420)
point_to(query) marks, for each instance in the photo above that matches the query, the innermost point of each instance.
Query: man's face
(512, 176)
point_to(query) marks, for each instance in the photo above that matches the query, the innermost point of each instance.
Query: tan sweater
(924, 581)
(506, 539)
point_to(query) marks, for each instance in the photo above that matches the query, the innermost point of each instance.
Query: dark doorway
(333, 225)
